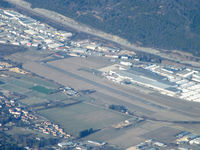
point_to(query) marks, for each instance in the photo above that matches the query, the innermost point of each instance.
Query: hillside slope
(171, 24)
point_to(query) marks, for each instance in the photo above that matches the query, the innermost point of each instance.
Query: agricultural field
(113, 136)
(79, 117)
(32, 93)
(39, 81)
(14, 88)
(33, 100)
(41, 89)
(27, 85)
(163, 134)
(56, 96)
(21, 83)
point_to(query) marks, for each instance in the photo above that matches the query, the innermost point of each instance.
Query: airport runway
(104, 86)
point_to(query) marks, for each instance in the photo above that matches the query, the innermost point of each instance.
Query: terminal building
(144, 78)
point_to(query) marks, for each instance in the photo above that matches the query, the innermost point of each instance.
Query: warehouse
(137, 78)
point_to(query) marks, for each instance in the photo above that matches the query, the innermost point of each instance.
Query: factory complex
(179, 82)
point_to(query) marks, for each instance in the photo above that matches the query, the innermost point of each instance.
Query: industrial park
(88, 93)
(182, 82)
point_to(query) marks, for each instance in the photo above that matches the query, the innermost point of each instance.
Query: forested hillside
(168, 24)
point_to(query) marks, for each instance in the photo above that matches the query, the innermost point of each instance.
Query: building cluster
(18, 29)
(10, 67)
(29, 118)
(186, 80)
(48, 127)
(179, 82)
(184, 141)
(10, 104)
(19, 113)
(188, 138)
(69, 91)
(26, 118)
(82, 145)
(86, 48)
(132, 75)
(21, 116)
(149, 144)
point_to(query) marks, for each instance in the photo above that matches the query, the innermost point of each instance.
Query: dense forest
(168, 24)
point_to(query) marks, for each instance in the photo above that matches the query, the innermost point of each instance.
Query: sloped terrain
(172, 24)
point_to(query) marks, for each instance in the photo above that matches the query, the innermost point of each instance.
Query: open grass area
(27, 84)
(21, 83)
(14, 88)
(33, 93)
(33, 100)
(82, 116)
(56, 96)
(41, 89)
(25, 131)
(39, 81)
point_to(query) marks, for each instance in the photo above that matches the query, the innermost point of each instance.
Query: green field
(21, 83)
(39, 81)
(41, 89)
(33, 100)
(14, 88)
(28, 84)
(33, 93)
(29, 80)
(82, 116)
(106, 135)
(56, 96)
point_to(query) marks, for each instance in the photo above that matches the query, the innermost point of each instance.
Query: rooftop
(143, 79)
